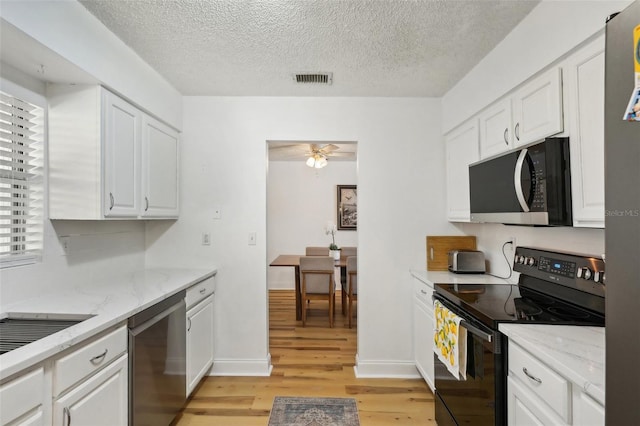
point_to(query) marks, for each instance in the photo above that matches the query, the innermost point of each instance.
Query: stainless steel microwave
(530, 186)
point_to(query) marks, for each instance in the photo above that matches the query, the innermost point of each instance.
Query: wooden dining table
(293, 260)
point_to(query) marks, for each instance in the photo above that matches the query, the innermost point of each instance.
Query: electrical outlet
(513, 243)
(206, 239)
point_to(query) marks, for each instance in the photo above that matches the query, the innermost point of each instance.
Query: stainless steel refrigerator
(622, 221)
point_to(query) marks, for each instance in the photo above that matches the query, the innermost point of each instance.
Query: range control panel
(573, 270)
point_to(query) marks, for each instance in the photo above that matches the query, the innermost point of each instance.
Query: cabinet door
(495, 129)
(525, 409)
(584, 76)
(461, 146)
(586, 410)
(22, 399)
(100, 400)
(36, 419)
(159, 169)
(199, 342)
(537, 108)
(423, 334)
(121, 145)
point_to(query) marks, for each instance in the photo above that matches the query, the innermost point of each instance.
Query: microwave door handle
(518, 183)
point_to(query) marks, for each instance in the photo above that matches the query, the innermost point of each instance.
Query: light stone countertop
(575, 352)
(112, 302)
(446, 277)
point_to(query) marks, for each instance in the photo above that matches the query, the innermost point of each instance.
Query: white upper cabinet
(461, 147)
(584, 78)
(107, 158)
(160, 150)
(537, 108)
(122, 125)
(495, 129)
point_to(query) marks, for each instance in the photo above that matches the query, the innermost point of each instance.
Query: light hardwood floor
(311, 361)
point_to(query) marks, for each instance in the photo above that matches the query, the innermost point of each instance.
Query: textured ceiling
(252, 48)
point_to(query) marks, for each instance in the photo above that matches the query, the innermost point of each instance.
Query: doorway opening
(303, 180)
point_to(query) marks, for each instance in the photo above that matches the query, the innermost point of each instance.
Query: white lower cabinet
(423, 331)
(525, 409)
(98, 401)
(90, 382)
(22, 400)
(539, 395)
(199, 342)
(586, 410)
(199, 300)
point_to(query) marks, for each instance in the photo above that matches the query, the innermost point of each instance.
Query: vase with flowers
(334, 250)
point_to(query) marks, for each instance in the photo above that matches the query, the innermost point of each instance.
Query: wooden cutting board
(438, 248)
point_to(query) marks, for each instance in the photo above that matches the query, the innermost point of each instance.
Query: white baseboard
(241, 367)
(385, 369)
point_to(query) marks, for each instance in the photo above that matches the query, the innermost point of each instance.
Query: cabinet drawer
(552, 388)
(21, 395)
(199, 291)
(423, 293)
(88, 359)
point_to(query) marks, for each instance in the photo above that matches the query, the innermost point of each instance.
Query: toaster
(466, 262)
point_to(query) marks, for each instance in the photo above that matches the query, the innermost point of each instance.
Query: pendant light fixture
(317, 161)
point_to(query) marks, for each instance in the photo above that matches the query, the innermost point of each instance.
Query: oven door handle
(487, 337)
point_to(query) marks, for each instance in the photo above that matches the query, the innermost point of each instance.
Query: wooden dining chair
(317, 282)
(352, 283)
(316, 251)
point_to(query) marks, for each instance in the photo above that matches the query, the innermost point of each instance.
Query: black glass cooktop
(496, 303)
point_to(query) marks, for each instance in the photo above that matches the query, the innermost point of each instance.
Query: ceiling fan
(316, 154)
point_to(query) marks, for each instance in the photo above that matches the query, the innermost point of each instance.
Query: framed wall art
(347, 207)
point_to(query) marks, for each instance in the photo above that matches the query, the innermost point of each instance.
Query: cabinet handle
(534, 378)
(112, 201)
(517, 131)
(506, 136)
(203, 290)
(146, 204)
(189, 321)
(423, 292)
(67, 414)
(98, 358)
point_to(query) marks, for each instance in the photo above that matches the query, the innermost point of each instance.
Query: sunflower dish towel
(450, 340)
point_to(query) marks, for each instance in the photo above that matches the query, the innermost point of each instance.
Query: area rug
(293, 411)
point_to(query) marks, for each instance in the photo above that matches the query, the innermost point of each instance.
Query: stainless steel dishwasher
(157, 354)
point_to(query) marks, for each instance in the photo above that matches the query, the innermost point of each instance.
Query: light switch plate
(252, 238)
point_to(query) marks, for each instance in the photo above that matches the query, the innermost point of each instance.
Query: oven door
(481, 398)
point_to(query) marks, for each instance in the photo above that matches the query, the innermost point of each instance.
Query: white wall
(551, 29)
(400, 196)
(300, 202)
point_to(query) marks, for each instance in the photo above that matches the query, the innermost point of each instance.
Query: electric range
(553, 288)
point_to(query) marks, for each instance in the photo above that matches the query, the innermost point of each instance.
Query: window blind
(21, 181)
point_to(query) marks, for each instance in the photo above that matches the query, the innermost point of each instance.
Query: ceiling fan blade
(292, 148)
(329, 148)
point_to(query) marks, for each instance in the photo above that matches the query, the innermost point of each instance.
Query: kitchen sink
(18, 329)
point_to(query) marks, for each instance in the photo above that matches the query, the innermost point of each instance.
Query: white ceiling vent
(314, 77)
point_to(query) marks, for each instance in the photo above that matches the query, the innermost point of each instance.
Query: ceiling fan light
(321, 162)
(311, 161)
